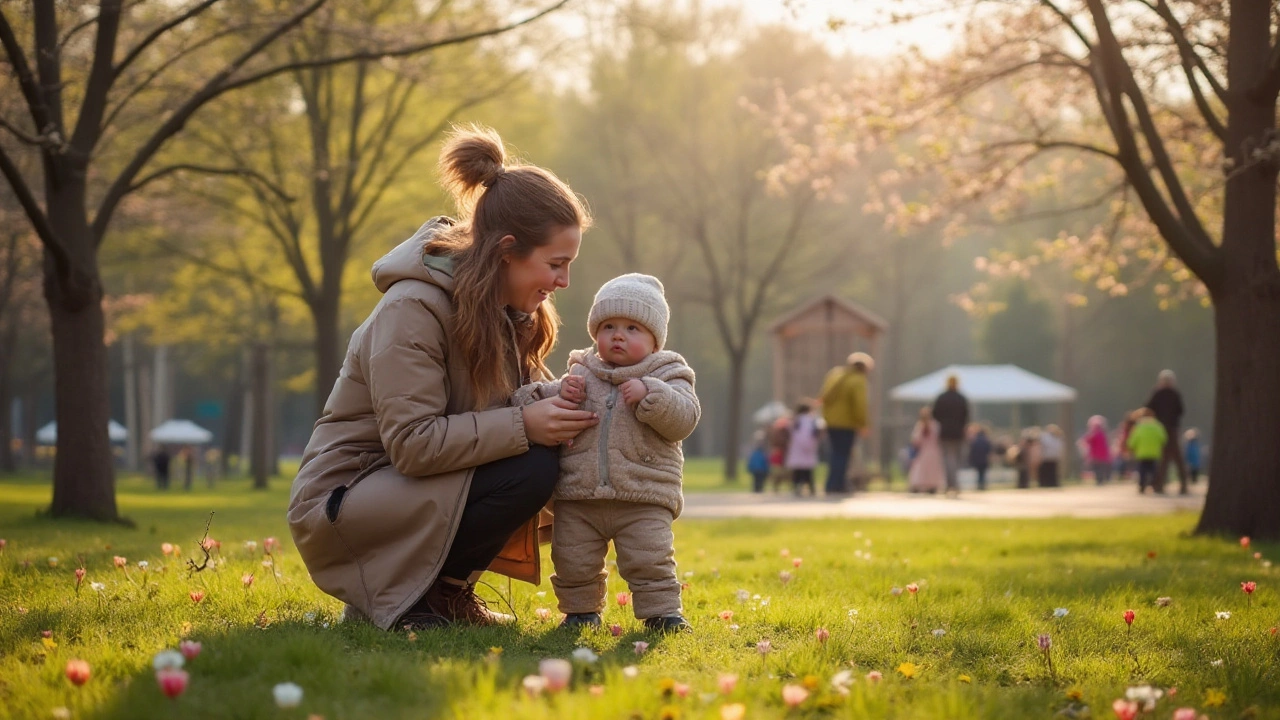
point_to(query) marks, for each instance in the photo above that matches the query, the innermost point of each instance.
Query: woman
(928, 474)
(419, 474)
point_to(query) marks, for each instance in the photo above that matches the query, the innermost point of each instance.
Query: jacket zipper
(604, 436)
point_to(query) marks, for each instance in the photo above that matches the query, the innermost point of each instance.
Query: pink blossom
(764, 647)
(784, 552)
(120, 562)
(624, 599)
(1128, 617)
(556, 673)
(1248, 587)
(247, 579)
(615, 630)
(913, 588)
(543, 614)
(874, 676)
(1125, 709)
(172, 681)
(797, 562)
(190, 649)
(822, 634)
(79, 576)
(1244, 541)
(736, 711)
(46, 633)
(196, 595)
(680, 689)
(78, 672)
(596, 690)
(166, 549)
(793, 695)
(270, 546)
(1184, 713)
(727, 682)
(785, 577)
(640, 647)
(3, 544)
(726, 615)
(1257, 556)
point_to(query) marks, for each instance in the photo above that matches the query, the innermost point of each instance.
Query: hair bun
(472, 158)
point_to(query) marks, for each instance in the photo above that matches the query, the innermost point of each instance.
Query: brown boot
(459, 603)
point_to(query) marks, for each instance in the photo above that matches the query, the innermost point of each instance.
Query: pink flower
(793, 695)
(543, 614)
(1128, 617)
(736, 711)
(596, 690)
(913, 588)
(615, 630)
(680, 689)
(1248, 587)
(556, 673)
(120, 562)
(764, 647)
(3, 543)
(874, 676)
(726, 615)
(785, 577)
(46, 633)
(797, 562)
(1125, 709)
(1185, 713)
(166, 549)
(210, 544)
(270, 545)
(640, 647)
(172, 681)
(624, 599)
(727, 682)
(190, 649)
(1244, 541)
(78, 672)
(822, 634)
(1257, 556)
(79, 576)
(196, 595)
(1272, 631)
(784, 552)
(1045, 642)
(247, 579)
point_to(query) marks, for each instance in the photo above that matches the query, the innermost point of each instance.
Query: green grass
(991, 585)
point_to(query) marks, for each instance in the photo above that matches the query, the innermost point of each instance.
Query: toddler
(621, 480)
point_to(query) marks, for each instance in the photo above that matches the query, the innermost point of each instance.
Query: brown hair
(496, 198)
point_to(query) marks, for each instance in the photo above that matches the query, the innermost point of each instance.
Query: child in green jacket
(1146, 443)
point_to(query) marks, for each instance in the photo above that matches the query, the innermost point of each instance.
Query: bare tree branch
(28, 139)
(157, 33)
(26, 79)
(98, 86)
(250, 174)
(1188, 53)
(39, 221)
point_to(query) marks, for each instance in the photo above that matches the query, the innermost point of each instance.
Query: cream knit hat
(635, 297)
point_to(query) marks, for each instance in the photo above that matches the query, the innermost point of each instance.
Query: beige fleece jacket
(634, 453)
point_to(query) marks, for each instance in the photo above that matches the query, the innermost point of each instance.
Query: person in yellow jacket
(1146, 442)
(844, 409)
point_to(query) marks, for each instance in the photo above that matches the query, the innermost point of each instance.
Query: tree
(98, 115)
(1201, 160)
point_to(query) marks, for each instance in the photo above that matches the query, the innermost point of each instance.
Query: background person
(1147, 441)
(844, 409)
(951, 410)
(1166, 404)
(927, 471)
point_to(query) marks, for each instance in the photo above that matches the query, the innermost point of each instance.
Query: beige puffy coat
(400, 437)
(634, 454)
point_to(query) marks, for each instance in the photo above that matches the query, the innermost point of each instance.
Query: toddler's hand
(633, 391)
(574, 388)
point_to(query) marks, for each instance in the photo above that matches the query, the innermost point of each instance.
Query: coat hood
(407, 261)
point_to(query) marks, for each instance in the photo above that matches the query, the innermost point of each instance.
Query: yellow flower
(1214, 697)
(966, 679)
(185, 630)
(908, 670)
(495, 650)
(666, 685)
(810, 682)
(49, 643)
(1076, 694)
(669, 713)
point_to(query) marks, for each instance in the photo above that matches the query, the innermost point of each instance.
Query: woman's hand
(555, 421)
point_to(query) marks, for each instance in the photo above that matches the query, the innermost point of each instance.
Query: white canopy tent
(180, 432)
(48, 434)
(985, 384)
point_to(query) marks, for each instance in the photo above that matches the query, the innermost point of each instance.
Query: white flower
(1144, 694)
(585, 655)
(1060, 612)
(309, 617)
(250, 545)
(841, 682)
(688, 574)
(756, 596)
(287, 695)
(742, 595)
(765, 602)
(895, 591)
(534, 684)
(733, 626)
(939, 632)
(97, 586)
(143, 564)
(540, 594)
(1216, 663)
(1223, 615)
(631, 672)
(168, 660)
(853, 613)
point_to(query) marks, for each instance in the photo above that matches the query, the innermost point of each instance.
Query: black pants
(503, 495)
(801, 477)
(842, 441)
(1172, 454)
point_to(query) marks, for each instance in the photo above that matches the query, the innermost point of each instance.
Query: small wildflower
(1272, 631)
(77, 672)
(287, 695)
(939, 632)
(119, 561)
(742, 596)
(1184, 713)
(1128, 617)
(784, 552)
(1257, 556)
(726, 682)
(1214, 698)
(251, 545)
(1145, 695)
(543, 614)
(1060, 612)
(735, 711)
(168, 660)
(908, 670)
(615, 630)
(97, 586)
(1244, 541)
(764, 647)
(1164, 601)
(913, 588)
(1075, 694)
(143, 565)
(190, 649)
(1216, 663)
(793, 695)
(785, 577)
(1044, 641)
(53, 562)
(895, 591)
(965, 679)
(556, 673)
(680, 689)
(533, 685)
(1223, 615)
(631, 672)
(822, 634)
(196, 595)
(61, 713)
(247, 580)
(166, 549)
(1151, 554)
(585, 655)
(841, 681)
(1124, 709)
(1248, 587)
(80, 572)
(172, 682)
(797, 562)
(640, 647)
(271, 546)
(623, 599)
(726, 615)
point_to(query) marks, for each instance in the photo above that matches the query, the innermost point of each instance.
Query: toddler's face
(623, 342)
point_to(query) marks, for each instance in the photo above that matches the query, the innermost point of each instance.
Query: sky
(863, 32)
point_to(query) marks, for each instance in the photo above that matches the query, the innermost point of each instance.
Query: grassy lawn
(968, 637)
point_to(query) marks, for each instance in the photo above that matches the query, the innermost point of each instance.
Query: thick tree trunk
(733, 424)
(83, 476)
(327, 346)
(259, 442)
(235, 420)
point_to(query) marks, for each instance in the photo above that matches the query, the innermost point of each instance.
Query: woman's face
(532, 279)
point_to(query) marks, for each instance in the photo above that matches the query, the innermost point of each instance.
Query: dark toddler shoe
(573, 621)
(668, 624)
